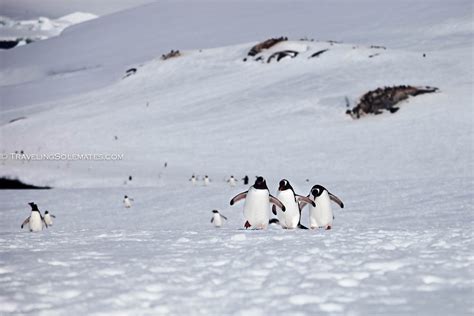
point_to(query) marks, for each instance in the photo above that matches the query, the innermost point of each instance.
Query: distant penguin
(246, 180)
(217, 218)
(35, 221)
(129, 178)
(206, 180)
(232, 181)
(127, 202)
(321, 215)
(193, 179)
(48, 218)
(257, 204)
(291, 218)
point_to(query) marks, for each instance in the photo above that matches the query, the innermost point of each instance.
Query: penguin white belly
(48, 220)
(127, 203)
(257, 207)
(35, 223)
(321, 215)
(206, 181)
(291, 216)
(217, 220)
(232, 182)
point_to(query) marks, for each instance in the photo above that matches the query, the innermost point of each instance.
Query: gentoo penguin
(217, 218)
(127, 201)
(35, 220)
(232, 181)
(48, 218)
(246, 179)
(321, 215)
(257, 204)
(193, 179)
(291, 217)
(206, 180)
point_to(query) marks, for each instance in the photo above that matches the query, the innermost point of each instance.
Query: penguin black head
(215, 211)
(260, 183)
(34, 207)
(317, 190)
(125, 197)
(46, 212)
(284, 185)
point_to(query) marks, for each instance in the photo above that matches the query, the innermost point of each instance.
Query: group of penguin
(36, 221)
(206, 180)
(287, 206)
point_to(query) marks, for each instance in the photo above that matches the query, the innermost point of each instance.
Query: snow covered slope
(40, 28)
(403, 243)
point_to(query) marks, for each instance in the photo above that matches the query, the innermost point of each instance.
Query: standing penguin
(35, 220)
(217, 218)
(291, 218)
(246, 179)
(206, 180)
(193, 179)
(232, 181)
(321, 215)
(48, 218)
(257, 204)
(127, 202)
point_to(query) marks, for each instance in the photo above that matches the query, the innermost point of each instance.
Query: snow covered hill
(25, 31)
(403, 243)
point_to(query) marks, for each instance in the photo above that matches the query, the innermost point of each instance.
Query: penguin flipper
(52, 215)
(238, 197)
(44, 222)
(274, 210)
(223, 216)
(336, 200)
(303, 200)
(25, 222)
(212, 220)
(277, 202)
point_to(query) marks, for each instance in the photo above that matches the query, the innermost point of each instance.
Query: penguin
(217, 218)
(193, 179)
(35, 220)
(246, 179)
(232, 181)
(127, 201)
(291, 218)
(257, 204)
(48, 218)
(206, 180)
(321, 215)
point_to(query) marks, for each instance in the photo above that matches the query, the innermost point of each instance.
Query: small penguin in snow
(232, 181)
(246, 180)
(48, 218)
(217, 218)
(127, 202)
(321, 215)
(291, 218)
(257, 204)
(193, 179)
(35, 221)
(206, 180)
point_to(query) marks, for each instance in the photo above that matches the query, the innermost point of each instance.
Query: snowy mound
(40, 28)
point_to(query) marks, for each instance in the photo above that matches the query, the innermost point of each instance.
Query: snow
(40, 28)
(401, 245)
